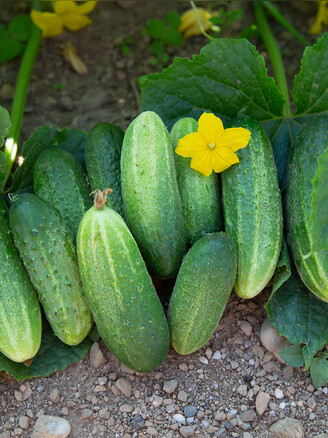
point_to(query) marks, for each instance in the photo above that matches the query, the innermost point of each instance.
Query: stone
(278, 394)
(95, 98)
(97, 358)
(248, 415)
(170, 386)
(51, 427)
(271, 339)
(137, 422)
(156, 401)
(246, 328)
(24, 422)
(152, 431)
(126, 408)
(217, 355)
(5, 434)
(261, 402)
(220, 416)
(124, 387)
(190, 411)
(54, 395)
(287, 428)
(182, 396)
(179, 418)
(86, 413)
(242, 390)
(187, 431)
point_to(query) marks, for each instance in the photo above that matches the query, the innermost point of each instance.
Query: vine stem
(201, 27)
(274, 52)
(23, 79)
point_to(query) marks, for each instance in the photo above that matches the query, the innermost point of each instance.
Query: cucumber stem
(201, 27)
(101, 197)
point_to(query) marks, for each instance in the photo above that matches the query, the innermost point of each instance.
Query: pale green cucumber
(151, 194)
(119, 291)
(252, 210)
(200, 195)
(20, 316)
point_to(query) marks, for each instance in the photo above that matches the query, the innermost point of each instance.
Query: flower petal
(234, 138)
(223, 158)
(191, 145)
(87, 7)
(75, 21)
(63, 7)
(203, 164)
(50, 24)
(210, 126)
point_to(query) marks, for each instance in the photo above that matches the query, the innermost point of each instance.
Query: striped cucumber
(103, 158)
(252, 210)
(49, 256)
(20, 316)
(119, 291)
(200, 195)
(202, 289)
(60, 179)
(151, 194)
(310, 142)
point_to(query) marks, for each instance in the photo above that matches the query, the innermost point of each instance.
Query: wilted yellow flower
(70, 54)
(212, 147)
(189, 24)
(66, 14)
(321, 17)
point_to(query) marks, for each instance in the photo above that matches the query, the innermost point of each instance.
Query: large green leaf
(283, 269)
(300, 316)
(320, 205)
(228, 78)
(3, 167)
(319, 371)
(310, 90)
(5, 124)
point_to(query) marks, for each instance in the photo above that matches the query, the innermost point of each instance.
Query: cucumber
(200, 195)
(202, 289)
(252, 210)
(103, 159)
(20, 315)
(151, 195)
(310, 142)
(119, 291)
(50, 258)
(60, 180)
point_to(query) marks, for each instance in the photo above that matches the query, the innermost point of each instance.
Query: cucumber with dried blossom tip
(151, 195)
(49, 255)
(119, 291)
(60, 180)
(252, 210)
(200, 195)
(20, 315)
(201, 292)
(103, 160)
(310, 142)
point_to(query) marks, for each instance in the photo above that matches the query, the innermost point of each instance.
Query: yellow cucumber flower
(321, 18)
(212, 147)
(189, 24)
(66, 14)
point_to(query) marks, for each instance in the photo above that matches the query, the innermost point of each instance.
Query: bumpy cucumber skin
(310, 142)
(119, 291)
(202, 289)
(50, 258)
(103, 159)
(20, 315)
(200, 195)
(60, 180)
(151, 195)
(252, 210)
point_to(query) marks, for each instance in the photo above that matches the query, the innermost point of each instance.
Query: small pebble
(170, 386)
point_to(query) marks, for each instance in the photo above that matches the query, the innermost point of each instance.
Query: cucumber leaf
(53, 355)
(283, 269)
(3, 167)
(319, 371)
(311, 83)
(227, 78)
(293, 356)
(319, 214)
(5, 124)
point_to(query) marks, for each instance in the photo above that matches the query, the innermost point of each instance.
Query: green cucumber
(151, 194)
(60, 180)
(103, 159)
(252, 210)
(20, 316)
(50, 258)
(119, 291)
(201, 292)
(310, 142)
(200, 195)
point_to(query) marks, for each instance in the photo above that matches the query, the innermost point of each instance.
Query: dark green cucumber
(49, 256)
(310, 142)
(252, 210)
(151, 195)
(60, 179)
(20, 316)
(119, 291)
(202, 289)
(103, 158)
(200, 195)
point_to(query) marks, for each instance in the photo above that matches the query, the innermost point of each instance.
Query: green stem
(274, 52)
(274, 11)
(22, 83)
(201, 27)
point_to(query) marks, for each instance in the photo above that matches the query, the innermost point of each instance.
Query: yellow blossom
(66, 14)
(321, 18)
(189, 24)
(212, 147)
